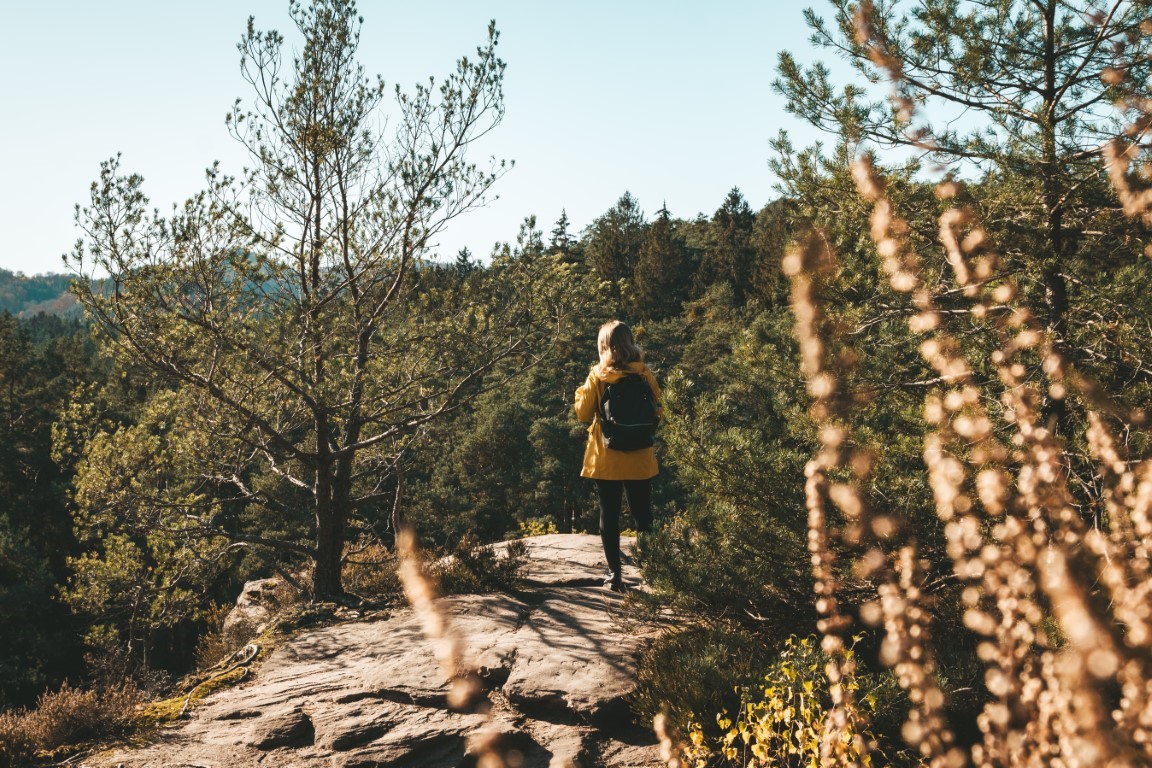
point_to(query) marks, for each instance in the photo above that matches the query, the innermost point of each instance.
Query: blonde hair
(617, 347)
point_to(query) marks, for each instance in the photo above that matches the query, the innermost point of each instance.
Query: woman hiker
(622, 400)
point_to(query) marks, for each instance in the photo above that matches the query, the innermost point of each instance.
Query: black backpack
(628, 414)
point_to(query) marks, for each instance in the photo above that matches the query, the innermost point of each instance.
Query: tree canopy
(287, 301)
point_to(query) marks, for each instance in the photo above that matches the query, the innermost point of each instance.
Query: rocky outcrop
(559, 662)
(255, 607)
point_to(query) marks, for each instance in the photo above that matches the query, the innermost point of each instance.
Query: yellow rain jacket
(600, 462)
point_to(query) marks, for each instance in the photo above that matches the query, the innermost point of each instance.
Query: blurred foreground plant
(1026, 556)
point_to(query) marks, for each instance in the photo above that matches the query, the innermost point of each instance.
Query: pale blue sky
(668, 100)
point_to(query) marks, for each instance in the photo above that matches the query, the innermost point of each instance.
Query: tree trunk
(326, 578)
(1055, 287)
(331, 518)
(397, 512)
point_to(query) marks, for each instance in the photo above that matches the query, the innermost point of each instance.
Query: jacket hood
(613, 376)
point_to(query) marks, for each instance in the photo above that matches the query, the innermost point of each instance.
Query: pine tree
(42, 361)
(561, 241)
(464, 265)
(776, 226)
(612, 246)
(1032, 82)
(729, 257)
(663, 270)
(290, 304)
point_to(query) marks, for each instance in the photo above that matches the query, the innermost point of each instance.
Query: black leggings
(611, 494)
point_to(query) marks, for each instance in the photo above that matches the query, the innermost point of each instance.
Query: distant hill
(25, 296)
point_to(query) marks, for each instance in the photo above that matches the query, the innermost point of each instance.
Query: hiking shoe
(614, 583)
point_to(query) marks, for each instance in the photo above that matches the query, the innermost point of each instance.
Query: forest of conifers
(902, 467)
(506, 463)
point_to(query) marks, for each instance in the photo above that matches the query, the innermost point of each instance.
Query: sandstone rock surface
(559, 659)
(252, 612)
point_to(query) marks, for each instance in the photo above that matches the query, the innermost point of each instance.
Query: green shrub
(745, 568)
(370, 571)
(213, 646)
(537, 526)
(780, 722)
(474, 568)
(698, 669)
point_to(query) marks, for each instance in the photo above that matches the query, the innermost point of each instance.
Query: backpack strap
(598, 415)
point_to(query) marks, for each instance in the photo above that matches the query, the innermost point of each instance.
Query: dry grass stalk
(1029, 554)
(804, 264)
(881, 57)
(670, 749)
(466, 689)
(1025, 545)
(907, 650)
(895, 567)
(1134, 188)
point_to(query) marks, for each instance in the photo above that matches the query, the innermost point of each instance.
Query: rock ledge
(369, 694)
